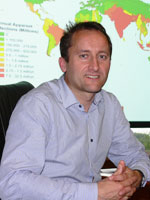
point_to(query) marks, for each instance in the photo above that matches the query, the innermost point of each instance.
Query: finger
(129, 181)
(121, 177)
(129, 194)
(127, 191)
(120, 169)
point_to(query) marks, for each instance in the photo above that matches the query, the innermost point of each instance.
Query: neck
(85, 99)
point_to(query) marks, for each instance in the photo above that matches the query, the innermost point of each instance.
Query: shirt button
(91, 140)
(93, 179)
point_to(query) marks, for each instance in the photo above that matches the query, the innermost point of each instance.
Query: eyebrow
(82, 50)
(87, 51)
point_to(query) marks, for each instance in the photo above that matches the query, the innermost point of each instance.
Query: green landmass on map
(121, 12)
(35, 1)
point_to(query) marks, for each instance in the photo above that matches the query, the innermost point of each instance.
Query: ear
(62, 64)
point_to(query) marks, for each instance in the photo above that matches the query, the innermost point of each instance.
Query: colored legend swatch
(1, 73)
(2, 54)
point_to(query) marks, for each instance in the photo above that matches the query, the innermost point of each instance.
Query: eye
(83, 56)
(103, 56)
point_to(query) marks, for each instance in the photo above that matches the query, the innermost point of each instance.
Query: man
(61, 132)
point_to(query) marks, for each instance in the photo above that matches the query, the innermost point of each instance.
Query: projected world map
(121, 12)
(30, 32)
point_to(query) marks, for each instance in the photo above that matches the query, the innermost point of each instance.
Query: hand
(111, 190)
(123, 174)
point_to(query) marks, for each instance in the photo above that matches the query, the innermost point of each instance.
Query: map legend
(17, 56)
(2, 55)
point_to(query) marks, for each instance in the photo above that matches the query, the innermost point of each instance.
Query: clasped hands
(121, 185)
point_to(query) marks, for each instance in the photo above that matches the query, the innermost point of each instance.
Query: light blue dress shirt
(54, 149)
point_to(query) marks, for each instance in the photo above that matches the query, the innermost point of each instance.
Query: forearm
(26, 185)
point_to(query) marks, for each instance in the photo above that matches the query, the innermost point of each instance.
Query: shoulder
(45, 91)
(39, 99)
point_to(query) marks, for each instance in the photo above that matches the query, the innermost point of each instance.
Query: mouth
(92, 76)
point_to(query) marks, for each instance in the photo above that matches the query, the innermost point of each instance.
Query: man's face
(89, 62)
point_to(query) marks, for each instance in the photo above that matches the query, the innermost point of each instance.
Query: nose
(94, 64)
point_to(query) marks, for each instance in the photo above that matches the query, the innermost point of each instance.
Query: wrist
(142, 177)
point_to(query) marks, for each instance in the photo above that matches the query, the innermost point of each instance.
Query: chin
(94, 90)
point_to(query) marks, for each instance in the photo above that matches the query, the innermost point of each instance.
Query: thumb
(120, 168)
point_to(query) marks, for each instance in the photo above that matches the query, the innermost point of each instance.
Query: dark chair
(9, 95)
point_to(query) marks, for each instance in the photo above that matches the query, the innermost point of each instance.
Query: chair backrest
(9, 96)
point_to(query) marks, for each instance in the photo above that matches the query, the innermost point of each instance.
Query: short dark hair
(65, 42)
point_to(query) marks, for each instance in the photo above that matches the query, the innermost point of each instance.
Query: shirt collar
(98, 98)
(68, 98)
